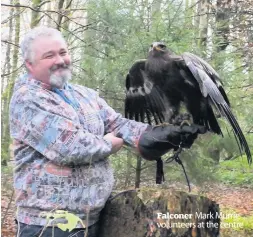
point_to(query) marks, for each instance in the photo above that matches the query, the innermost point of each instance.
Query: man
(63, 135)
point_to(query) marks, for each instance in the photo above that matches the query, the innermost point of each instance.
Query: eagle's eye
(162, 46)
(151, 45)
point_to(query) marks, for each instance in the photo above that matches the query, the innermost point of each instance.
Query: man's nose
(59, 59)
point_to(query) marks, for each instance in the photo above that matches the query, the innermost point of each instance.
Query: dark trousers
(25, 230)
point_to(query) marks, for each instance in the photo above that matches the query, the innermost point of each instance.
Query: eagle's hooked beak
(155, 48)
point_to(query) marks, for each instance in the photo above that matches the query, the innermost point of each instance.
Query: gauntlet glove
(156, 141)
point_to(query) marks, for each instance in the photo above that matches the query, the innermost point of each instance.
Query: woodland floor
(233, 198)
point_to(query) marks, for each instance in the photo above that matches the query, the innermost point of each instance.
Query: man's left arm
(129, 130)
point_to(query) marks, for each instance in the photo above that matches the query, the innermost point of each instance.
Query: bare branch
(250, 130)
(7, 74)
(194, 4)
(77, 9)
(13, 16)
(8, 42)
(42, 3)
(69, 4)
(49, 11)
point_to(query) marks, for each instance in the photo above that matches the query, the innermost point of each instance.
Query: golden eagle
(158, 86)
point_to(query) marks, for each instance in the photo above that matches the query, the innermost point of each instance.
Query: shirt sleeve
(58, 138)
(128, 130)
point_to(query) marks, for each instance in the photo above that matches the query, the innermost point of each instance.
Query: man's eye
(49, 56)
(63, 53)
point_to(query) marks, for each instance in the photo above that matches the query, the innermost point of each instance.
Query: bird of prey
(157, 87)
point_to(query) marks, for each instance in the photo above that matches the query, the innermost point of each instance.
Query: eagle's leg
(169, 115)
(167, 121)
(182, 119)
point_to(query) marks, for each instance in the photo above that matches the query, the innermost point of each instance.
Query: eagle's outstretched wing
(144, 99)
(211, 88)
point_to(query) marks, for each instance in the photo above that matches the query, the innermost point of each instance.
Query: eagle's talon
(185, 122)
(182, 119)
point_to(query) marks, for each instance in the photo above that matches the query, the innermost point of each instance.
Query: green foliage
(236, 172)
(6, 170)
(198, 166)
(236, 221)
(121, 32)
(6, 179)
(5, 155)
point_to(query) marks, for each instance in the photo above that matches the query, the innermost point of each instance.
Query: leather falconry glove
(156, 141)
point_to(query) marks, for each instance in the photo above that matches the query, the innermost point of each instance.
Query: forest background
(105, 37)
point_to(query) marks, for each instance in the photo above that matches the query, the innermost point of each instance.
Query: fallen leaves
(235, 198)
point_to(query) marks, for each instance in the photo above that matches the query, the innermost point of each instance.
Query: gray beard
(59, 81)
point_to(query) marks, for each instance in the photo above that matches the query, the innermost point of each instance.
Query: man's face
(51, 62)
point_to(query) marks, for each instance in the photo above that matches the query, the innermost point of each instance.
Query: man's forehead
(44, 44)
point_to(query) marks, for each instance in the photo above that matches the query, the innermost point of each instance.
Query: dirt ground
(237, 198)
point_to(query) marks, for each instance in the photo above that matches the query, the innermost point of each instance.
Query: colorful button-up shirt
(60, 153)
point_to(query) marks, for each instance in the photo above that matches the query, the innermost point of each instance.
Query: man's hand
(117, 143)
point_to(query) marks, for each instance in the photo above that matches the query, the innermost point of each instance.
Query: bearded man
(62, 135)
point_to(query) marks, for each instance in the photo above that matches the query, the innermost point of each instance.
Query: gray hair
(40, 31)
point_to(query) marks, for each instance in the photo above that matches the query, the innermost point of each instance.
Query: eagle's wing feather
(211, 88)
(144, 99)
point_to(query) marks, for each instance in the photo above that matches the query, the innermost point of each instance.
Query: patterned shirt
(60, 153)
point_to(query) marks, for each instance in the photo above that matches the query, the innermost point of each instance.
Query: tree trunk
(7, 87)
(35, 14)
(136, 214)
(203, 22)
(138, 172)
(156, 8)
(60, 16)
(127, 176)
(222, 24)
(66, 21)
(12, 80)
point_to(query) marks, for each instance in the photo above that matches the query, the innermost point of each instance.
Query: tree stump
(159, 213)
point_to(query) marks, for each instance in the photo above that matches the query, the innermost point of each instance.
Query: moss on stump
(142, 214)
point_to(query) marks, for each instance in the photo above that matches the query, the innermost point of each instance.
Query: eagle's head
(158, 57)
(159, 49)
(158, 46)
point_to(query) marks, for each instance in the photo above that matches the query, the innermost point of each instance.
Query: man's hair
(40, 31)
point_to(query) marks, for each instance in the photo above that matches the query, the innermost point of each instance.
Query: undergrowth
(235, 172)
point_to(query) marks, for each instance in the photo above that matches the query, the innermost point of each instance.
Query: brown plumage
(158, 86)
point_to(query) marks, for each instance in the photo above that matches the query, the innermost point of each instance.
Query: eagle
(157, 88)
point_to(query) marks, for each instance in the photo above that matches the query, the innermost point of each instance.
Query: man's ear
(28, 65)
